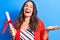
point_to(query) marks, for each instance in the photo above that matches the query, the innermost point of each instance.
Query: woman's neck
(25, 24)
(27, 19)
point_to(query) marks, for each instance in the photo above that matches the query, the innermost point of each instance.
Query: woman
(27, 20)
(27, 25)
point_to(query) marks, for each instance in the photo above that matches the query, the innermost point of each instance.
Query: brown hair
(33, 20)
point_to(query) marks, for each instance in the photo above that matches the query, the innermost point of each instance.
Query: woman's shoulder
(41, 24)
(40, 21)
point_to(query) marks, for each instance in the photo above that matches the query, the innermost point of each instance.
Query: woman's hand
(49, 28)
(11, 33)
(52, 28)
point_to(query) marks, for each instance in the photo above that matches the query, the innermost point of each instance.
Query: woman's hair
(33, 19)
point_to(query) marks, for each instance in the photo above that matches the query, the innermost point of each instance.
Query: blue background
(48, 12)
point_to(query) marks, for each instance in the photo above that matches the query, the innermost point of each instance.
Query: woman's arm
(45, 37)
(49, 29)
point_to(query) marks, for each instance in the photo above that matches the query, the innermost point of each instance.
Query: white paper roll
(7, 15)
(8, 18)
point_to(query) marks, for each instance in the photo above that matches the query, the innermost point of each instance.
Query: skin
(50, 28)
(28, 9)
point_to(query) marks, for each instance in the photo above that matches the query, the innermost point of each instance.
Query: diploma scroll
(10, 24)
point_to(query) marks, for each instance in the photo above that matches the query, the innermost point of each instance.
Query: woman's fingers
(11, 32)
(52, 28)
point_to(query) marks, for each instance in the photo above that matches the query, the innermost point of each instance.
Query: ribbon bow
(6, 25)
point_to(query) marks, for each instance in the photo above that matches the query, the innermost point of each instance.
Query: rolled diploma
(11, 26)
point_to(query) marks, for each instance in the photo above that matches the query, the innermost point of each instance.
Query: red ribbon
(6, 25)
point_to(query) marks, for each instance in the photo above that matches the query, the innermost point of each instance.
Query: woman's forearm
(45, 36)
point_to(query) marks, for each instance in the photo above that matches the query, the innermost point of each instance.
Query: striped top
(26, 34)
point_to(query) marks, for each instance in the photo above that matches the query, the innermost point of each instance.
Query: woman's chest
(26, 34)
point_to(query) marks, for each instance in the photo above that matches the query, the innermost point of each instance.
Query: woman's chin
(27, 16)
